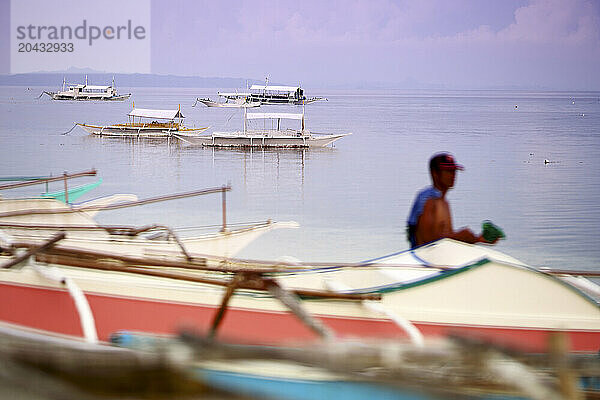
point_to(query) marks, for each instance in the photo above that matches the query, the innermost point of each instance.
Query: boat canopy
(274, 116)
(275, 88)
(93, 87)
(233, 94)
(158, 114)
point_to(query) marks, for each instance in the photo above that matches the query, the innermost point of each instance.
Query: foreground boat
(87, 92)
(492, 298)
(264, 138)
(146, 123)
(141, 365)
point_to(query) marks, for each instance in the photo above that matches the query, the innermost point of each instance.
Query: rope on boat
(41, 94)
(196, 102)
(69, 131)
(229, 119)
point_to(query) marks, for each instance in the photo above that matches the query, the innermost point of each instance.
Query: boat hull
(137, 132)
(235, 104)
(158, 305)
(220, 243)
(87, 97)
(261, 141)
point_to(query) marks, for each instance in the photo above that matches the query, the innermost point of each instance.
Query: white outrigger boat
(237, 102)
(37, 219)
(273, 136)
(84, 232)
(87, 92)
(262, 95)
(146, 123)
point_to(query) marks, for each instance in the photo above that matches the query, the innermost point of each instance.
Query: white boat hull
(241, 140)
(220, 243)
(239, 103)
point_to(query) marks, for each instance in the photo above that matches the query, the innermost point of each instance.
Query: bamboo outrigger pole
(117, 206)
(65, 176)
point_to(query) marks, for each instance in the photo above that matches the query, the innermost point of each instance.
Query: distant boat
(87, 92)
(262, 94)
(149, 124)
(234, 103)
(273, 137)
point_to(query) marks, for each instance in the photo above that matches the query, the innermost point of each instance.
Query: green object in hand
(491, 232)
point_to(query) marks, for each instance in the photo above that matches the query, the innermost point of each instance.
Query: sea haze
(351, 201)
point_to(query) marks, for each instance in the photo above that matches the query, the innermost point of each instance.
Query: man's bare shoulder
(432, 204)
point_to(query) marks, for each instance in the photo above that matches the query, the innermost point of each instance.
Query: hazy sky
(457, 43)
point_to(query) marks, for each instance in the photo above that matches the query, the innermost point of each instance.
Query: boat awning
(93, 87)
(158, 114)
(275, 88)
(232, 94)
(273, 116)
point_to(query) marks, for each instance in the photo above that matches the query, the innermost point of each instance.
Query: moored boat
(146, 123)
(37, 219)
(228, 103)
(258, 95)
(87, 92)
(274, 136)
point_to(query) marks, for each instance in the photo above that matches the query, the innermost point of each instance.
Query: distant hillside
(54, 79)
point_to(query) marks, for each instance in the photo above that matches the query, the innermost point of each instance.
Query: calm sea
(351, 201)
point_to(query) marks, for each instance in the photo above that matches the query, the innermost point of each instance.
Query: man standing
(430, 217)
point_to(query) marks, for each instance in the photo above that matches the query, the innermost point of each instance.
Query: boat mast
(245, 120)
(64, 83)
(179, 114)
(302, 115)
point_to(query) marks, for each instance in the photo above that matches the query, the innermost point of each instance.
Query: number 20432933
(43, 47)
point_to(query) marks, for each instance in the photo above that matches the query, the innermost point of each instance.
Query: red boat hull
(53, 310)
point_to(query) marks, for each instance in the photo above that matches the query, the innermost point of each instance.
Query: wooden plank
(34, 250)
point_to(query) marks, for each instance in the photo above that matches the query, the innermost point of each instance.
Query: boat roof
(158, 114)
(275, 88)
(234, 93)
(96, 87)
(273, 116)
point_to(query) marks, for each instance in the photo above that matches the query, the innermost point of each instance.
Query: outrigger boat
(146, 123)
(443, 288)
(87, 92)
(37, 219)
(262, 95)
(237, 102)
(272, 136)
